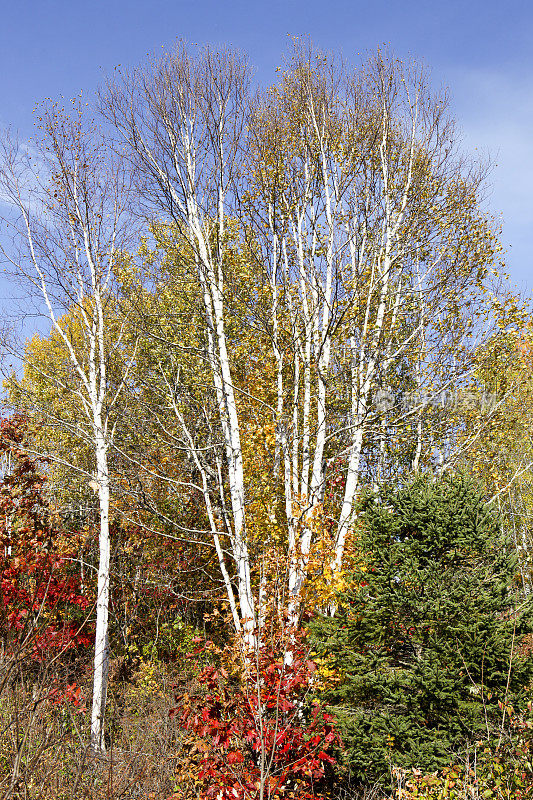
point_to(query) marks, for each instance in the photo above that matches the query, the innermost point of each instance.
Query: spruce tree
(422, 639)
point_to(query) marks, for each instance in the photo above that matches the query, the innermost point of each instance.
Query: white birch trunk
(101, 642)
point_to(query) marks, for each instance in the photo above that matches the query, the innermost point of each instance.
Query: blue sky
(482, 50)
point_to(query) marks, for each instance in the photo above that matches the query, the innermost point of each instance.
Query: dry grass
(44, 752)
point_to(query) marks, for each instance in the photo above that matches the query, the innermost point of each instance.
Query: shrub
(43, 608)
(259, 735)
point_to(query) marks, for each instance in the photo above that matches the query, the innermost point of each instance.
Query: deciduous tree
(69, 218)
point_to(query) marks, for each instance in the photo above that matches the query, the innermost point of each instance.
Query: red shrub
(265, 736)
(41, 605)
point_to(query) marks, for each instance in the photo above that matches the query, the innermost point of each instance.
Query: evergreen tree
(421, 644)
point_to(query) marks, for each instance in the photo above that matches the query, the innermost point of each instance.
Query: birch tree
(375, 246)
(183, 121)
(68, 213)
(368, 253)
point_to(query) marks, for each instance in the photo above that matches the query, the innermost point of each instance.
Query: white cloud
(495, 112)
